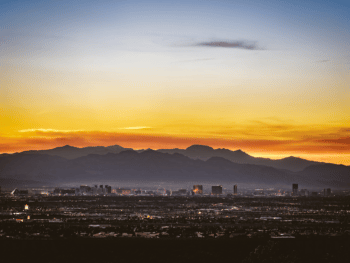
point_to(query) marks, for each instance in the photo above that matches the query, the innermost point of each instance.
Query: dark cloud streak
(229, 44)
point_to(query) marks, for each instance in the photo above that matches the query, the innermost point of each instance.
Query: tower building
(235, 189)
(295, 190)
(216, 189)
(198, 189)
(329, 191)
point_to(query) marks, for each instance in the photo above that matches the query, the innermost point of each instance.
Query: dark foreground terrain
(39, 228)
(325, 249)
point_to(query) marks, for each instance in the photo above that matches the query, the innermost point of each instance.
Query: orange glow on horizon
(334, 150)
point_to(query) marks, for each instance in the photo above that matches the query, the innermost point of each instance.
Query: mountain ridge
(154, 166)
(202, 152)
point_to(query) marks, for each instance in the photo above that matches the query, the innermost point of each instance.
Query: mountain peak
(116, 146)
(198, 147)
(66, 147)
(292, 158)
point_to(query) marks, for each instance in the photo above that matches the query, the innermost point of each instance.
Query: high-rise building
(182, 191)
(216, 189)
(94, 190)
(108, 189)
(304, 192)
(295, 189)
(198, 189)
(329, 192)
(84, 189)
(235, 189)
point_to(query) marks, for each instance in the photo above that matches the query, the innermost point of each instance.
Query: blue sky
(181, 67)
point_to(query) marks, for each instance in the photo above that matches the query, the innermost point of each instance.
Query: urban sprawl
(102, 212)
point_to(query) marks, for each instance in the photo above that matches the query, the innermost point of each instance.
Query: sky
(268, 77)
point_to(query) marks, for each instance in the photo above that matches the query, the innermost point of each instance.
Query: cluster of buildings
(197, 190)
(305, 192)
(106, 189)
(84, 190)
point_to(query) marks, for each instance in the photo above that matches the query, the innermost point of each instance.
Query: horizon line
(156, 149)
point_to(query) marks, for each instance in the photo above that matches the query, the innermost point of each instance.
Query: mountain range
(201, 152)
(195, 164)
(70, 152)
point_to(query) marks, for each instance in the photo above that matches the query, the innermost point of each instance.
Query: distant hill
(155, 166)
(10, 183)
(70, 152)
(205, 152)
(331, 174)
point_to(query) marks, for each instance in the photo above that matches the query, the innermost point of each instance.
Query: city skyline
(266, 77)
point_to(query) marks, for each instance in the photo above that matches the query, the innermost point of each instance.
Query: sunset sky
(267, 77)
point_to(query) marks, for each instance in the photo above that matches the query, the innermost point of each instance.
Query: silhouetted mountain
(201, 152)
(290, 163)
(155, 166)
(333, 174)
(70, 152)
(205, 152)
(39, 167)
(10, 183)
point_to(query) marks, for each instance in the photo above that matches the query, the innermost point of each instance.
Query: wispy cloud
(229, 44)
(75, 131)
(48, 130)
(323, 61)
(135, 128)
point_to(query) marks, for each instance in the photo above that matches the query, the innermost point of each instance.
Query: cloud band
(229, 44)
